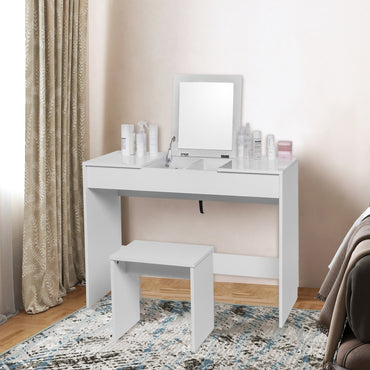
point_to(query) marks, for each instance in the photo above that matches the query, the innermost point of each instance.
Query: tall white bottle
(127, 139)
(257, 144)
(141, 146)
(240, 142)
(248, 147)
(270, 147)
(153, 139)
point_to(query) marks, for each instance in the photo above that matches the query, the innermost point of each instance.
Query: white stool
(182, 261)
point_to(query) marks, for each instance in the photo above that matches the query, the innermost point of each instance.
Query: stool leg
(202, 301)
(125, 299)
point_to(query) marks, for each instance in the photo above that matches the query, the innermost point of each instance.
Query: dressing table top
(233, 165)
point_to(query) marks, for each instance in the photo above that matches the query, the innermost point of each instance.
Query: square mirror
(207, 115)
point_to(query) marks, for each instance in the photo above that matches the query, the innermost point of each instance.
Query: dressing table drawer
(251, 184)
(187, 182)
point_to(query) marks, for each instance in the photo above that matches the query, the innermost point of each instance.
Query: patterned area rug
(245, 337)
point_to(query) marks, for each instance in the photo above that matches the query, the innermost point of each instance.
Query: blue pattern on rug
(245, 337)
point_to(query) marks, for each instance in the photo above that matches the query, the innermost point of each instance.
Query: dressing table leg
(202, 301)
(288, 242)
(102, 213)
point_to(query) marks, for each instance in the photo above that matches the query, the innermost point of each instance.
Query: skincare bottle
(270, 147)
(141, 147)
(132, 141)
(127, 139)
(248, 148)
(240, 142)
(257, 144)
(153, 139)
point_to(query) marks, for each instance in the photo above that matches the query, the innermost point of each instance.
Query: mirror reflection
(207, 111)
(206, 115)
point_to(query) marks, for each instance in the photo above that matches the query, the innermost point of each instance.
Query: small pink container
(285, 149)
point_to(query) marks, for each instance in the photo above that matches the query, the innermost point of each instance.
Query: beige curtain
(56, 145)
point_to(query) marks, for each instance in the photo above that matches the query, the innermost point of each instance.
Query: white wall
(12, 132)
(306, 70)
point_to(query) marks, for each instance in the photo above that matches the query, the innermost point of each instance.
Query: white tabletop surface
(162, 253)
(233, 165)
(259, 166)
(116, 159)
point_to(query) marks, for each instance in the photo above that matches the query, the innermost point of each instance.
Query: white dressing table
(107, 178)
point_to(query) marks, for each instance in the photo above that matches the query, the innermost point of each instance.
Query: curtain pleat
(56, 146)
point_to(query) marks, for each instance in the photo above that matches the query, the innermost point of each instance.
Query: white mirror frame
(237, 109)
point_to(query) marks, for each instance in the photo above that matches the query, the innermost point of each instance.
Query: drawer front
(183, 182)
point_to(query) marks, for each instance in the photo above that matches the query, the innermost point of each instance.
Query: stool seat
(162, 253)
(185, 261)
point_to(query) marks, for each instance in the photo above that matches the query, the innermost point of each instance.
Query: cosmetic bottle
(141, 147)
(257, 144)
(248, 148)
(131, 142)
(240, 142)
(153, 139)
(270, 147)
(127, 139)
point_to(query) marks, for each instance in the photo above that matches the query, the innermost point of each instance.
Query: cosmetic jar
(285, 149)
